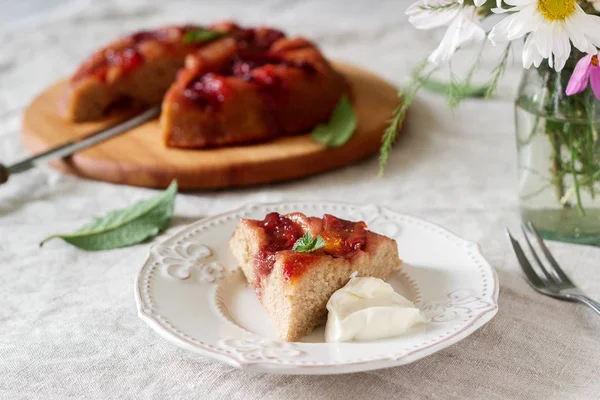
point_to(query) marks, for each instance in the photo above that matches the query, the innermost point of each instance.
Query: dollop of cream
(368, 309)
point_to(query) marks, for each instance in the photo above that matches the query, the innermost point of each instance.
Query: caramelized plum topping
(260, 39)
(343, 238)
(260, 67)
(266, 37)
(297, 263)
(142, 36)
(209, 91)
(265, 261)
(282, 233)
(266, 75)
(128, 58)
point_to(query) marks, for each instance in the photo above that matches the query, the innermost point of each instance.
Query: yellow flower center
(595, 61)
(554, 10)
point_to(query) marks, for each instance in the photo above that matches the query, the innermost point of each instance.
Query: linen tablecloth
(68, 323)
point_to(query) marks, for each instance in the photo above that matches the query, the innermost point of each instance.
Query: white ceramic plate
(191, 291)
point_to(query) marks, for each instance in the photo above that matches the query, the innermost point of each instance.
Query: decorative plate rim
(276, 366)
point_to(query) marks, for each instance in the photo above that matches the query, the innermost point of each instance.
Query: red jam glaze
(255, 39)
(209, 91)
(265, 260)
(128, 57)
(342, 239)
(260, 67)
(257, 68)
(266, 76)
(142, 36)
(282, 233)
(254, 63)
(164, 36)
(296, 264)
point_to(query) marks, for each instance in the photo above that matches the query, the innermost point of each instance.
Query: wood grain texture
(139, 158)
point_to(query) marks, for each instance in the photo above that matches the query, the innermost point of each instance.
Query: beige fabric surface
(68, 323)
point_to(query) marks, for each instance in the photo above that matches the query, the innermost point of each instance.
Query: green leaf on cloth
(120, 228)
(340, 127)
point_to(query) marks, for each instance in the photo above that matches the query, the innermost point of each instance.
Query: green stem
(406, 98)
(542, 189)
(527, 140)
(576, 179)
(590, 179)
(498, 71)
(557, 168)
(592, 137)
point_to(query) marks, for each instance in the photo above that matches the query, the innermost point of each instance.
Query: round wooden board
(140, 158)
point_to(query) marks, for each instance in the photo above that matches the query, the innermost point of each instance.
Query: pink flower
(586, 70)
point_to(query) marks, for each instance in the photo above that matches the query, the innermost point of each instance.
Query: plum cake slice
(294, 286)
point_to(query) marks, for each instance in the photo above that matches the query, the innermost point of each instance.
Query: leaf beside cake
(301, 267)
(218, 85)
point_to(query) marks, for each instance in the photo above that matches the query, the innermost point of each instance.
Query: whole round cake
(224, 84)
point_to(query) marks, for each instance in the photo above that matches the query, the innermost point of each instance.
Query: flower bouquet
(557, 107)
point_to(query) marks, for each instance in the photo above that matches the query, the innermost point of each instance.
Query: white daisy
(463, 24)
(595, 4)
(551, 24)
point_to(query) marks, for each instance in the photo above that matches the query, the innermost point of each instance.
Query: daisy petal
(559, 63)
(561, 40)
(449, 42)
(577, 36)
(590, 25)
(425, 19)
(514, 26)
(542, 37)
(464, 29)
(520, 3)
(500, 10)
(560, 46)
(530, 54)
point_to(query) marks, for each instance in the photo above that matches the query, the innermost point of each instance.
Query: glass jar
(559, 155)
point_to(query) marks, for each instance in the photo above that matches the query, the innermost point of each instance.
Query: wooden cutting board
(139, 157)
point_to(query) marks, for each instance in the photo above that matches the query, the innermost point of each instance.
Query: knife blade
(73, 146)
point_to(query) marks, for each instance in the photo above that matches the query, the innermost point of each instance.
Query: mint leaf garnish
(194, 36)
(341, 125)
(134, 224)
(306, 243)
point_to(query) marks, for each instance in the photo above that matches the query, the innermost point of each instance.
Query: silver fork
(552, 281)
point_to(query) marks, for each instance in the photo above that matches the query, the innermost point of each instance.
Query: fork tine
(530, 273)
(557, 269)
(549, 277)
